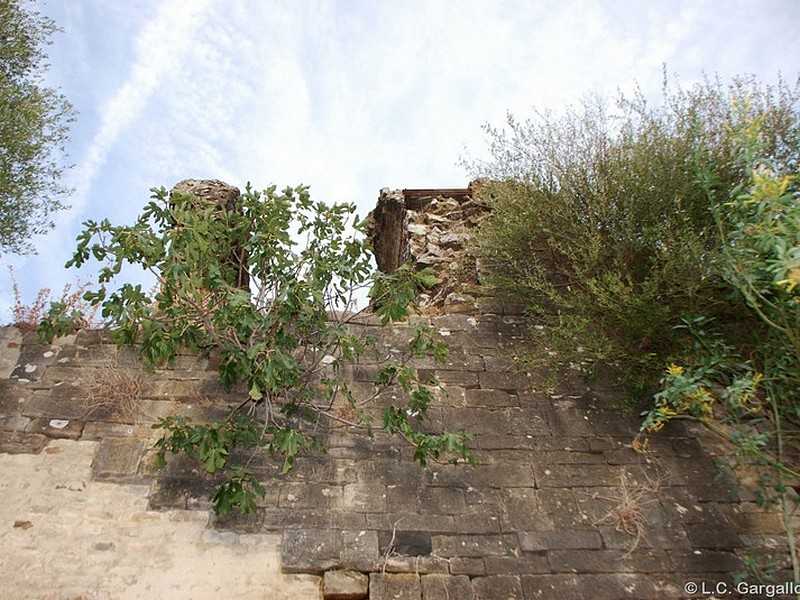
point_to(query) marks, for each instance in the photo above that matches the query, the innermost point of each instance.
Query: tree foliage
(34, 124)
(601, 216)
(285, 341)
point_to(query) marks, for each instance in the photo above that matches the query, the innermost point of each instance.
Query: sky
(350, 96)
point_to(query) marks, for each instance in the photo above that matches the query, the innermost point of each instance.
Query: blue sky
(351, 96)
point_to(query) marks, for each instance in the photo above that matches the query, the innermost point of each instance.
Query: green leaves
(281, 339)
(601, 215)
(34, 127)
(393, 293)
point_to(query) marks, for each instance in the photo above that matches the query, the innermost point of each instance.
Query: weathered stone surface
(311, 551)
(432, 227)
(537, 541)
(117, 459)
(345, 585)
(98, 540)
(596, 587)
(447, 587)
(536, 514)
(505, 587)
(475, 545)
(394, 586)
(10, 347)
(15, 442)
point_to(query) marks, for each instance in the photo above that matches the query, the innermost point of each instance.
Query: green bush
(286, 338)
(602, 217)
(750, 395)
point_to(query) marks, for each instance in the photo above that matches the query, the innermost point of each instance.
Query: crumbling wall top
(434, 228)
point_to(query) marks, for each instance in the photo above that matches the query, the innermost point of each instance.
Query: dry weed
(628, 514)
(27, 317)
(113, 388)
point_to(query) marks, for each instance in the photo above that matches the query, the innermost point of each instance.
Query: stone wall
(545, 514)
(559, 506)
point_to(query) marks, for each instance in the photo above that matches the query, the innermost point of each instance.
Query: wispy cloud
(353, 96)
(159, 48)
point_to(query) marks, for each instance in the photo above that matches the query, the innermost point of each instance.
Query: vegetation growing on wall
(604, 218)
(750, 394)
(667, 237)
(286, 339)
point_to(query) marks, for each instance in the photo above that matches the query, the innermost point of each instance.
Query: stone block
(10, 347)
(501, 474)
(460, 565)
(570, 423)
(65, 402)
(475, 545)
(761, 522)
(447, 587)
(413, 564)
(15, 442)
(513, 565)
(426, 500)
(311, 551)
(280, 519)
(522, 510)
(609, 561)
(404, 543)
(13, 396)
(345, 585)
(191, 491)
(308, 495)
(117, 459)
(502, 587)
(56, 428)
(15, 423)
(33, 360)
(412, 521)
(360, 549)
(481, 519)
(704, 561)
(504, 441)
(99, 430)
(577, 476)
(365, 497)
(465, 379)
(719, 535)
(562, 539)
(394, 586)
(504, 380)
(491, 398)
(596, 587)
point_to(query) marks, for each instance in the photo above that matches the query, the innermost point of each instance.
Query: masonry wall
(559, 506)
(539, 516)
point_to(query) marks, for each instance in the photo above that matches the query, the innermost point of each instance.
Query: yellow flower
(674, 370)
(792, 280)
(767, 185)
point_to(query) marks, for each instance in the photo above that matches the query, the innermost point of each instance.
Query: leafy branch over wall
(285, 338)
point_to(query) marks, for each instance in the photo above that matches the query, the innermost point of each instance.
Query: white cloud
(158, 50)
(353, 96)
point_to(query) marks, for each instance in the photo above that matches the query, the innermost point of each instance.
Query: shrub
(285, 339)
(751, 395)
(602, 219)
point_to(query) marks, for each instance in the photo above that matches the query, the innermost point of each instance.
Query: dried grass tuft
(628, 514)
(26, 317)
(117, 389)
